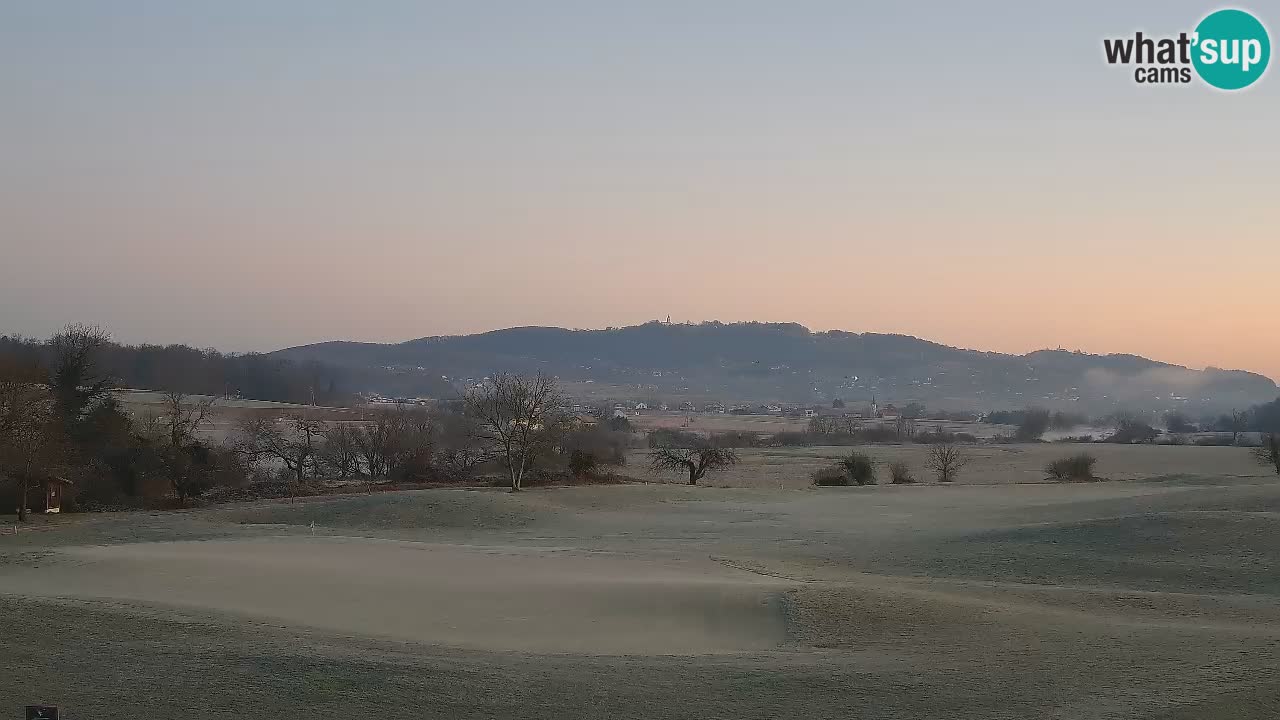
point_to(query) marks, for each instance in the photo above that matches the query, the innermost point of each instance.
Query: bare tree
(150, 425)
(373, 441)
(518, 414)
(1237, 423)
(946, 459)
(905, 426)
(415, 443)
(307, 435)
(76, 379)
(340, 452)
(912, 413)
(397, 443)
(293, 442)
(1269, 452)
(182, 418)
(30, 435)
(461, 445)
(696, 460)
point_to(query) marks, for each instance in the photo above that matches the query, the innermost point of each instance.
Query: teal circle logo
(1231, 49)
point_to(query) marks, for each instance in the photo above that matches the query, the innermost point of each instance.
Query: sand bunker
(496, 598)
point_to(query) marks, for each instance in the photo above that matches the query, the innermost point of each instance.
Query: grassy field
(716, 422)
(1155, 599)
(1000, 464)
(226, 414)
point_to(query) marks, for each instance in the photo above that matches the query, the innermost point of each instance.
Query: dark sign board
(42, 712)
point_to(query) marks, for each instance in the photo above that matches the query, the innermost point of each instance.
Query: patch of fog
(1093, 432)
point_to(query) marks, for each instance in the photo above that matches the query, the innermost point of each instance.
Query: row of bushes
(945, 461)
(1153, 437)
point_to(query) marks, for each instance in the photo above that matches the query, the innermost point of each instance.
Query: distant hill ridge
(747, 362)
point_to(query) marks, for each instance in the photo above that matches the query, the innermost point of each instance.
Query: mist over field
(762, 362)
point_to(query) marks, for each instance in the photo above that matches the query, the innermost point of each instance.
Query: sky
(252, 175)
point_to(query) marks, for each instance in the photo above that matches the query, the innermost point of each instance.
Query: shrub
(833, 476)
(877, 435)
(736, 439)
(1072, 467)
(938, 435)
(795, 439)
(860, 469)
(1133, 431)
(1034, 424)
(582, 463)
(900, 473)
(1075, 439)
(549, 478)
(607, 447)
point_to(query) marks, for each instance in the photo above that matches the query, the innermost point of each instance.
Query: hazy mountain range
(759, 362)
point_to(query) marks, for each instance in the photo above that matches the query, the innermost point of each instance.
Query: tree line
(195, 371)
(1263, 418)
(61, 422)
